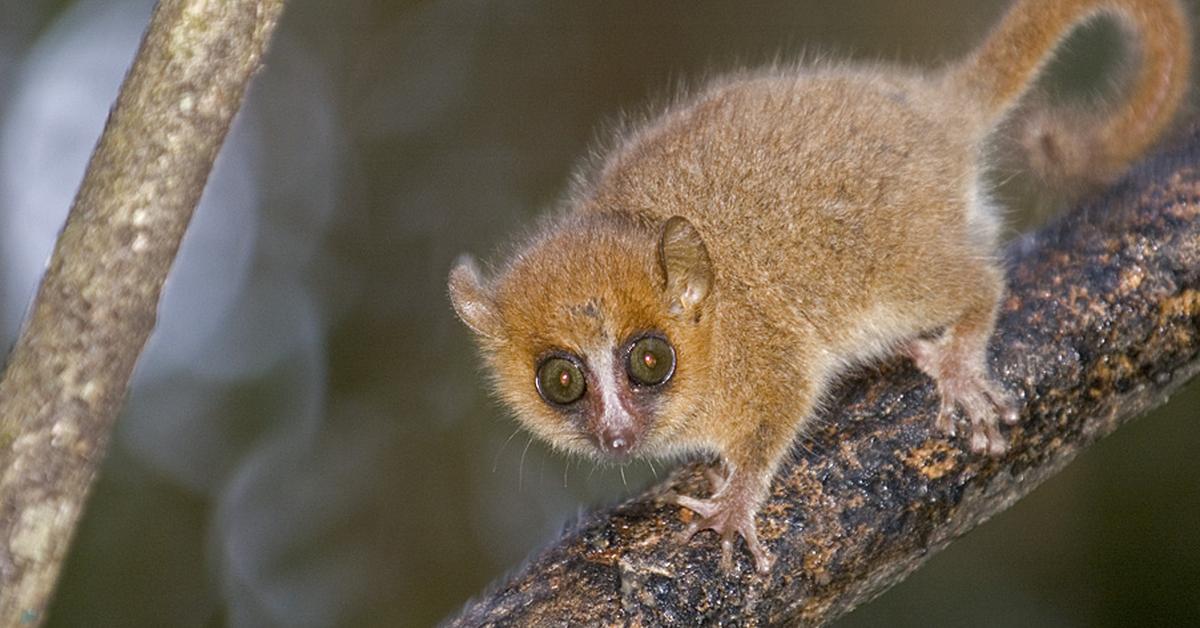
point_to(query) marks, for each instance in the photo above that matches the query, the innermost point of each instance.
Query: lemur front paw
(729, 514)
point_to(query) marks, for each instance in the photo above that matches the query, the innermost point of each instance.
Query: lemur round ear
(685, 264)
(471, 299)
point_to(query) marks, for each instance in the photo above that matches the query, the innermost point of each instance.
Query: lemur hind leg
(957, 362)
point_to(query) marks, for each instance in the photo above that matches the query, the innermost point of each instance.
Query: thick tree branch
(68, 373)
(1102, 323)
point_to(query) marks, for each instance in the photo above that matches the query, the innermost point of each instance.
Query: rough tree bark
(1102, 322)
(68, 373)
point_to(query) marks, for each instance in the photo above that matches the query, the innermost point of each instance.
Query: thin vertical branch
(68, 373)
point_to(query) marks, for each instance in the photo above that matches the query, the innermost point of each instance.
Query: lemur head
(596, 335)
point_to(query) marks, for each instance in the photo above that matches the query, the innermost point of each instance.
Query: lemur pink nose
(617, 441)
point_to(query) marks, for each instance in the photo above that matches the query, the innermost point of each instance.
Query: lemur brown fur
(784, 223)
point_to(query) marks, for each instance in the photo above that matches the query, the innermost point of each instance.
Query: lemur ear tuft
(686, 266)
(471, 299)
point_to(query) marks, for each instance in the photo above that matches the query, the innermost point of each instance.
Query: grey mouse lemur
(717, 270)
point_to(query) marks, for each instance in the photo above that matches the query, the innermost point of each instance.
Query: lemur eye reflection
(560, 380)
(651, 361)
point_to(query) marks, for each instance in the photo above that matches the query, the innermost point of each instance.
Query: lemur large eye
(651, 361)
(560, 380)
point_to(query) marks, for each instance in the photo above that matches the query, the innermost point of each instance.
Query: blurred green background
(308, 441)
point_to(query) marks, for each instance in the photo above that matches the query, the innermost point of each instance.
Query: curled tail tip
(1002, 72)
(1076, 147)
(1080, 147)
(1061, 147)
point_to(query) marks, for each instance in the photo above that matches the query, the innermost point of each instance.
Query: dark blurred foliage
(308, 440)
